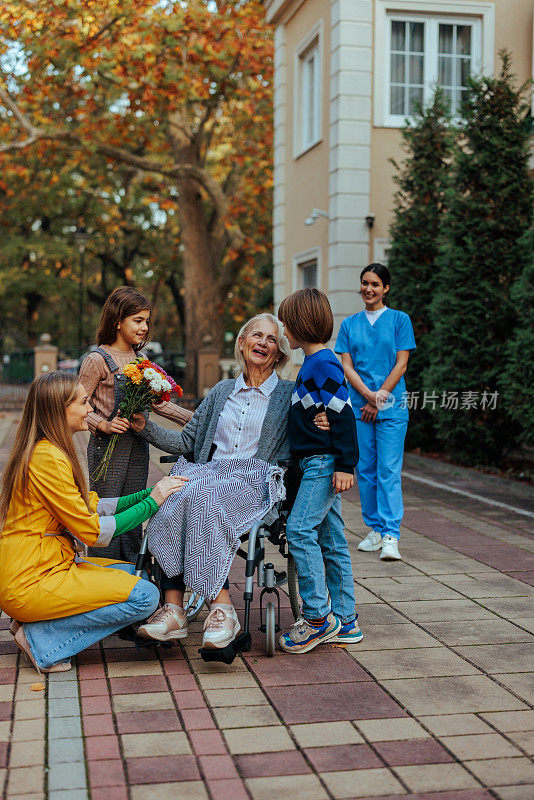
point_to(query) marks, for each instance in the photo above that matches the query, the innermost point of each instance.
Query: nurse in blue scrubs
(375, 346)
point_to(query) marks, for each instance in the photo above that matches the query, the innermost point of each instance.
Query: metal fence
(13, 396)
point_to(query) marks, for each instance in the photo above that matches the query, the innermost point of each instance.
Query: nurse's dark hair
(307, 316)
(44, 417)
(380, 270)
(125, 301)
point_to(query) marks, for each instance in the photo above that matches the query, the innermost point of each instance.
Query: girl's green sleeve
(131, 499)
(134, 515)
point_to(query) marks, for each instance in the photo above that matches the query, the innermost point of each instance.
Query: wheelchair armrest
(167, 459)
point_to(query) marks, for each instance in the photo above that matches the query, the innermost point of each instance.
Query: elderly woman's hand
(320, 421)
(137, 422)
(167, 486)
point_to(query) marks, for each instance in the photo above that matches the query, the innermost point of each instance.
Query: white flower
(150, 374)
(156, 384)
(165, 385)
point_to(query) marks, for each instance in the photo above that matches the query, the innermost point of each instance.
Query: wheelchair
(273, 528)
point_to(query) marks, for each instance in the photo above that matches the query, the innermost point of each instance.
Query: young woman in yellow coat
(64, 601)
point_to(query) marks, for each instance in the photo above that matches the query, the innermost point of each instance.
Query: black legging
(178, 583)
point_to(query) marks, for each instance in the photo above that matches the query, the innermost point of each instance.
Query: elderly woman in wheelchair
(237, 439)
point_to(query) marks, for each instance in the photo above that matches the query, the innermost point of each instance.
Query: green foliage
(517, 380)
(422, 179)
(489, 208)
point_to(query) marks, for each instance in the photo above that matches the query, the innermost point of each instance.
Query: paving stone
(138, 683)
(183, 682)
(64, 727)
(494, 586)
(308, 668)
(105, 773)
(30, 709)
(381, 614)
(217, 767)
(109, 793)
(298, 787)
(342, 757)
(232, 680)
(235, 697)
(436, 777)
(501, 658)
(66, 707)
(146, 701)
(173, 743)
(67, 776)
(456, 633)
(512, 608)
(362, 783)
(524, 740)
(189, 699)
(93, 688)
(515, 792)
(511, 720)
(124, 669)
(162, 769)
(258, 740)
(264, 765)
(68, 794)
(457, 724)
(100, 748)
(485, 745)
(469, 692)
(98, 725)
(28, 730)
(415, 663)
(438, 610)
(229, 789)
(388, 729)
(521, 684)
(62, 751)
(412, 751)
(322, 734)
(148, 721)
(393, 637)
(366, 699)
(57, 691)
(185, 790)
(424, 589)
(22, 780)
(503, 771)
(197, 719)
(246, 717)
(207, 743)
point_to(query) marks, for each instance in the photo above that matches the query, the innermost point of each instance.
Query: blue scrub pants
(381, 447)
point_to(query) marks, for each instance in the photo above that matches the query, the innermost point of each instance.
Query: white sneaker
(166, 623)
(390, 549)
(220, 627)
(372, 542)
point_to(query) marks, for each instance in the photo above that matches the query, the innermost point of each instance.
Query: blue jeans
(316, 540)
(381, 446)
(54, 640)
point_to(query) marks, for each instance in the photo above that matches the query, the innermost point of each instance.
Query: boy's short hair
(307, 315)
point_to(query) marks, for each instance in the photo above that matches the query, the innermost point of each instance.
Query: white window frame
(381, 248)
(480, 15)
(312, 41)
(313, 254)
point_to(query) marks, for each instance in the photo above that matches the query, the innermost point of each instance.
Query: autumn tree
(177, 91)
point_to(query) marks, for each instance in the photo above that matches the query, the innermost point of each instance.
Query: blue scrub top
(373, 349)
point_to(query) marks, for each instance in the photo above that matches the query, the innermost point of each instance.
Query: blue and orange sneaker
(304, 636)
(349, 633)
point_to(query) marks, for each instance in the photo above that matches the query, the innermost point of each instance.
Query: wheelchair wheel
(293, 586)
(270, 628)
(193, 605)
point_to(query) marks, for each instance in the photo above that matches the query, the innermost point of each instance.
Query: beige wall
(307, 176)
(513, 31)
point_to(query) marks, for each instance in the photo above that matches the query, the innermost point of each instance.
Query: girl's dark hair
(307, 315)
(380, 270)
(122, 302)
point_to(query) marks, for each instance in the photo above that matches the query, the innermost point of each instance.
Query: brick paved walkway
(436, 703)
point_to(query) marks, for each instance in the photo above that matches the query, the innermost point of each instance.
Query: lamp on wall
(370, 221)
(314, 216)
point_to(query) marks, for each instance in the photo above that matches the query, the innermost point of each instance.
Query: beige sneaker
(220, 627)
(164, 624)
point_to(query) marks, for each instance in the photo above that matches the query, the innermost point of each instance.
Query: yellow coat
(39, 577)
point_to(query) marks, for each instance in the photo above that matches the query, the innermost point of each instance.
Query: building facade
(347, 74)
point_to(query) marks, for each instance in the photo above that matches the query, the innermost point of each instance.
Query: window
(308, 273)
(308, 92)
(428, 43)
(426, 53)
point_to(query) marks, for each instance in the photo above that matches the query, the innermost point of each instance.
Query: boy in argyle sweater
(315, 527)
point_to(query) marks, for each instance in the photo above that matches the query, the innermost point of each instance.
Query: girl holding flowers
(123, 330)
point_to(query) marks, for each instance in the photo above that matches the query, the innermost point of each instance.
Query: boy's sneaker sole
(305, 648)
(347, 638)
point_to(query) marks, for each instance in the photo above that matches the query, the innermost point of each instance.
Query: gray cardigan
(197, 436)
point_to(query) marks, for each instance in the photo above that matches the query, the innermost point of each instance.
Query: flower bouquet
(146, 383)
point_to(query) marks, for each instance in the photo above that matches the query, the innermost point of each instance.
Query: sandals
(22, 643)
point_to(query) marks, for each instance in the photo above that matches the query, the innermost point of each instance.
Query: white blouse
(241, 420)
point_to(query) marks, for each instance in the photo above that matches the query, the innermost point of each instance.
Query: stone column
(45, 355)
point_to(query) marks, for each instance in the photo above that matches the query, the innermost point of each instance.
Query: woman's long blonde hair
(43, 418)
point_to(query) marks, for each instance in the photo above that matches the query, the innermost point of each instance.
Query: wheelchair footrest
(241, 644)
(280, 578)
(129, 634)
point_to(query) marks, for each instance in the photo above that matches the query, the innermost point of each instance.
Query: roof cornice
(276, 10)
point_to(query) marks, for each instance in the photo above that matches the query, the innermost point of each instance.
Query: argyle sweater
(321, 386)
